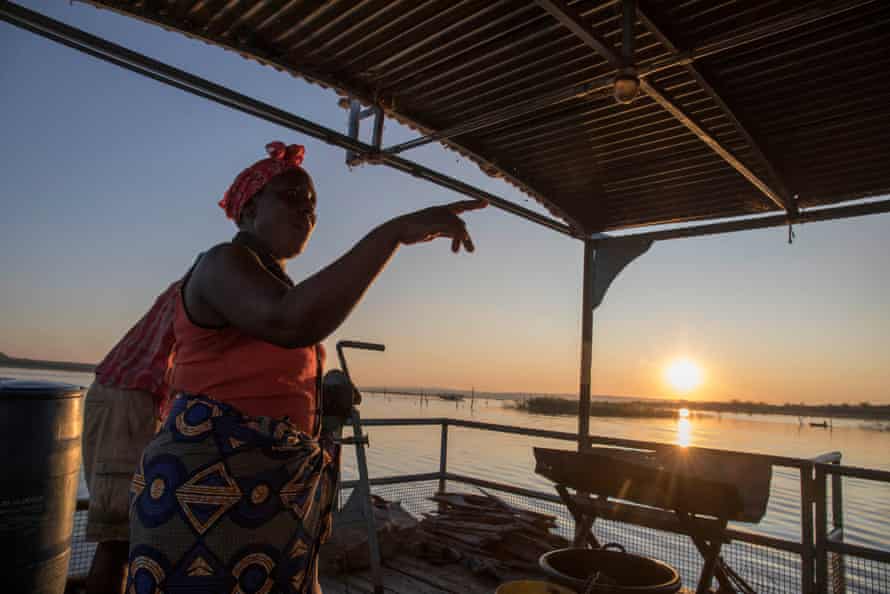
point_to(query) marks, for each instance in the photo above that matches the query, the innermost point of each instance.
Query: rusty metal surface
(809, 80)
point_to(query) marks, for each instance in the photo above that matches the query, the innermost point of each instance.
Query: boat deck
(768, 563)
(406, 574)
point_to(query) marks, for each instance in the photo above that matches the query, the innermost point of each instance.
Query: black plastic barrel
(40, 428)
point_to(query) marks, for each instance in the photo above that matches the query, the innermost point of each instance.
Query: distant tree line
(7, 361)
(863, 410)
(668, 408)
(548, 405)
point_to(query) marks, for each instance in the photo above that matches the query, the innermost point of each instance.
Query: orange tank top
(256, 377)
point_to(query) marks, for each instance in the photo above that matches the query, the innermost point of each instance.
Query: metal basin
(627, 574)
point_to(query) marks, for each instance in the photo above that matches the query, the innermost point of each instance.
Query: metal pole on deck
(586, 347)
(808, 501)
(364, 486)
(443, 456)
(837, 567)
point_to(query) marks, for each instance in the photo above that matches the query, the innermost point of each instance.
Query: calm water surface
(508, 458)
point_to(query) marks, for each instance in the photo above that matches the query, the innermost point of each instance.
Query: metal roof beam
(572, 20)
(807, 216)
(575, 23)
(801, 18)
(646, 12)
(648, 68)
(693, 126)
(141, 64)
(502, 115)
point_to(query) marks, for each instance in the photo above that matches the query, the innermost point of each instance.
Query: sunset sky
(110, 184)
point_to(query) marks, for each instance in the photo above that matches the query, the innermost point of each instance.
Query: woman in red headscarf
(236, 488)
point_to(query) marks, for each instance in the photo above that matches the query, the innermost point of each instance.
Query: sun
(683, 375)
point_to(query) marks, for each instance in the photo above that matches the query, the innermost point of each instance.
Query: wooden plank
(394, 582)
(408, 575)
(452, 577)
(471, 503)
(343, 584)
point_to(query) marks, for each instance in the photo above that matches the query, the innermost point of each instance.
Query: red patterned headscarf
(250, 181)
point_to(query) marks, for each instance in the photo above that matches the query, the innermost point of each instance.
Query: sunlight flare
(684, 432)
(683, 375)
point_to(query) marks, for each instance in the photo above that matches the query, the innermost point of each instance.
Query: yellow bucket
(532, 587)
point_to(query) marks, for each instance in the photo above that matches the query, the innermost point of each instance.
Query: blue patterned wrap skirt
(222, 502)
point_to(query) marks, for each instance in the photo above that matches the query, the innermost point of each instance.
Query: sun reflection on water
(684, 432)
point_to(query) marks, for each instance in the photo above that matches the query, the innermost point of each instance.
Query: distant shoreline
(669, 408)
(544, 405)
(863, 411)
(616, 405)
(15, 362)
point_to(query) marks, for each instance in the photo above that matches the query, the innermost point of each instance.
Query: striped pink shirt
(139, 360)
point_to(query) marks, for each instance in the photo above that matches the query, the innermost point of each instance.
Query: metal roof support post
(604, 259)
(586, 346)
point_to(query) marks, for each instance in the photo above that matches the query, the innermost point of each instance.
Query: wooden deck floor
(409, 575)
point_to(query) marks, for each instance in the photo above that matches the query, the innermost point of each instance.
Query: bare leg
(108, 572)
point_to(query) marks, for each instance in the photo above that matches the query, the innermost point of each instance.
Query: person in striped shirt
(121, 415)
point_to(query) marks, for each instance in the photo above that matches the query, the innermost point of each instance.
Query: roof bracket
(356, 115)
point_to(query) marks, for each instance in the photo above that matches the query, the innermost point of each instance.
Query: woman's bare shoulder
(227, 257)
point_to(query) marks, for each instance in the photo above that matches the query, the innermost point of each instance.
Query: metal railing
(824, 562)
(830, 549)
(821, 532)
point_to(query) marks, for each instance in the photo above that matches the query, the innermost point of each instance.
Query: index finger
(465, 205)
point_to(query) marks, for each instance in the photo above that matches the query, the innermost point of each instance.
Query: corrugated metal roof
(804, 108)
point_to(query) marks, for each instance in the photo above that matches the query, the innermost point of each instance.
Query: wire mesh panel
(676, 550)
(413, 496)
(856, 575)
(765, 569)
(81, 550)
